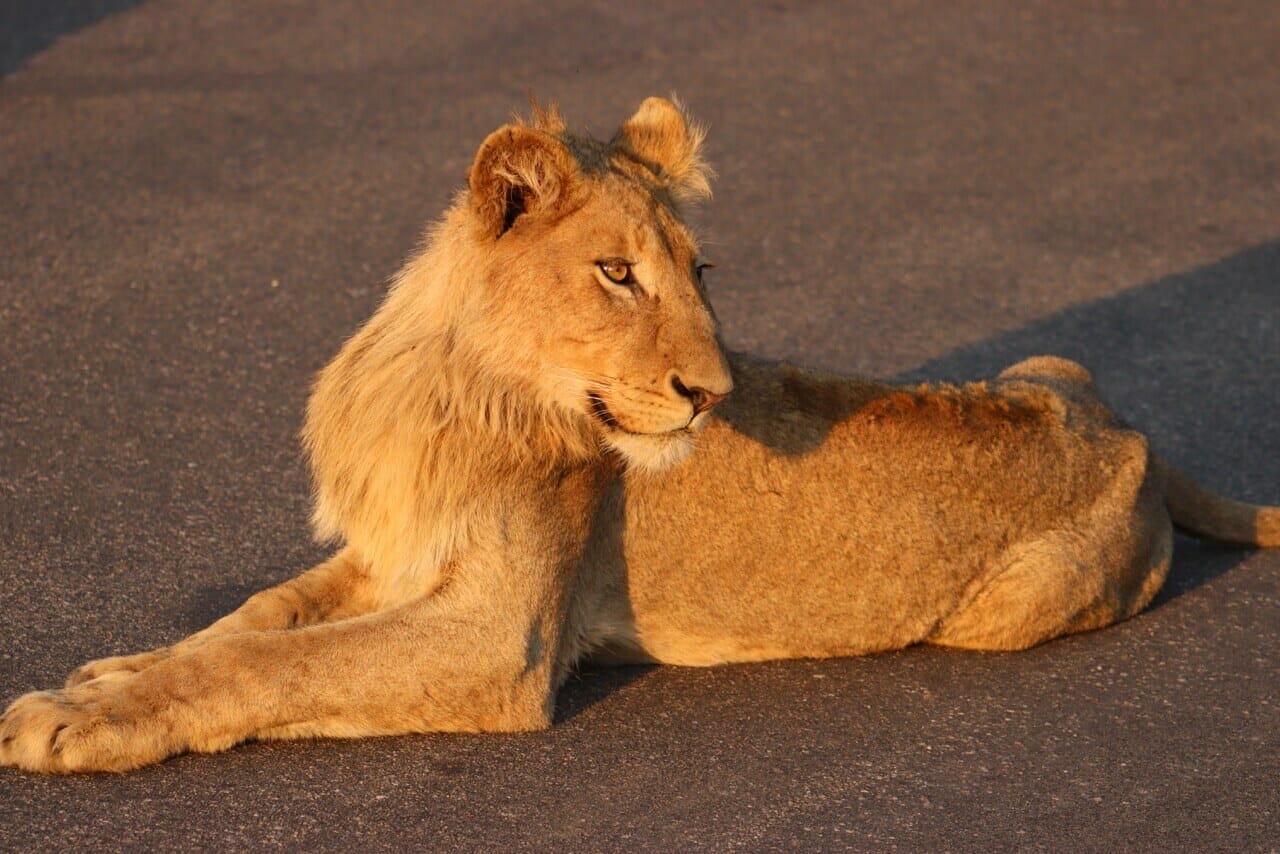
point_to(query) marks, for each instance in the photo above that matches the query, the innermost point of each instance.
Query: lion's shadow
(1191, 361)
(36, 26)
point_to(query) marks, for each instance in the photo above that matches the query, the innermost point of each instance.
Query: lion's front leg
(485, 654)
(340, 587)
(418, 668)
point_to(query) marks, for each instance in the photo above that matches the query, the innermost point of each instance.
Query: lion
(530, 457)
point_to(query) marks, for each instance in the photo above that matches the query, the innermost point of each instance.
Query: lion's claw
(115, 664)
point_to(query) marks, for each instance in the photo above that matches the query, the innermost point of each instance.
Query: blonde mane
(415, 429)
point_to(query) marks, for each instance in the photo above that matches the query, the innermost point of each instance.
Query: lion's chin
(650, 452)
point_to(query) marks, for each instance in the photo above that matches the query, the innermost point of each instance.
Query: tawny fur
(498, 453)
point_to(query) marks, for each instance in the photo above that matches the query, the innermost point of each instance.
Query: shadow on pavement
(29, 26)
(1175, 358)
(593, 684)
(211, 602)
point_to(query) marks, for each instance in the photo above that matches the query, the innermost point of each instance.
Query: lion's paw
(115, 664)
(94, 727)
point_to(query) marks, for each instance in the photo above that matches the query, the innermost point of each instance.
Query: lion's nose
(701, 399)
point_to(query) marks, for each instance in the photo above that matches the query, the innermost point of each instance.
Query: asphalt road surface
(199, 201)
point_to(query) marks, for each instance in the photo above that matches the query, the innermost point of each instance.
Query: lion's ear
(663, 138)
(518, 170)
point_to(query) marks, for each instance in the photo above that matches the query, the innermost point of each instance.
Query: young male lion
(497, 451)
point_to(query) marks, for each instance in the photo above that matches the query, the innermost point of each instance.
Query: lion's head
(590, 281)
(556, 308)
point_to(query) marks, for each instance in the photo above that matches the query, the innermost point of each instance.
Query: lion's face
(599, 293)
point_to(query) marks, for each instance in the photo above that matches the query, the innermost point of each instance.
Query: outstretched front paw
(97, 726)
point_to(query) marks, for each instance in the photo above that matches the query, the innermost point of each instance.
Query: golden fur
(496, 454)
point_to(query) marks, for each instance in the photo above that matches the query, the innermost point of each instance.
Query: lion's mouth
(601, 411)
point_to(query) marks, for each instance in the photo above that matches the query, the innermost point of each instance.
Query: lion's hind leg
(340, 587)
(1056, 584)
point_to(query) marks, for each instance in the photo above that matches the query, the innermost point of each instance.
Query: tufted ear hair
(668, 143)
(518, 170)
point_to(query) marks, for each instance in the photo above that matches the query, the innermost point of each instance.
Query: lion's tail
(1206, 514)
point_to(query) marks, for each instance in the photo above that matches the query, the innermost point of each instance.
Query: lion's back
(819, 510)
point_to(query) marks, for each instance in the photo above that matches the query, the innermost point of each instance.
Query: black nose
(701, 399)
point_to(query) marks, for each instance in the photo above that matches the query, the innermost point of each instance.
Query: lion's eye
(617, 271)
(700, 267)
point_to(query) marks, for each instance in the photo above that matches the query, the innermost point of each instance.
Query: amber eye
(703, 266)
(617, 271)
